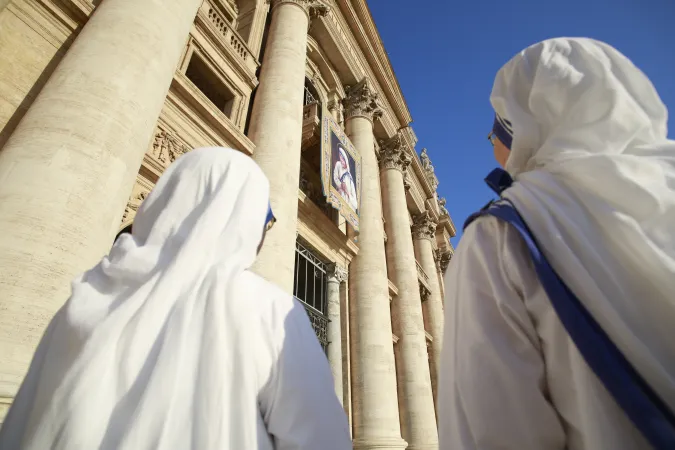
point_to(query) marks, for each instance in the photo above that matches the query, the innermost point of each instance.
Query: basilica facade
(98, 97)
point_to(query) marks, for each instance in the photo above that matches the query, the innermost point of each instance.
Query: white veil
(141, 354)
(595, 182)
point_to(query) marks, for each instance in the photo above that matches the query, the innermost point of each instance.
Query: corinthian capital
(313, 8)
(336, 273)
(424, 226)
(393, 154)
(361, 101)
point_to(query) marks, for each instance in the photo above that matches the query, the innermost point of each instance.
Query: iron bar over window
(310, 288)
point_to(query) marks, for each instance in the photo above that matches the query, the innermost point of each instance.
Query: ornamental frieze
(166, 148)
(132, 205)
(361, 101)
(424, 226)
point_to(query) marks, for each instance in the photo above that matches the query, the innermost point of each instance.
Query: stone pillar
(276, 130)
(374, 399)
(418, 418)
(424, 232)
(67, 170)
(336, 276)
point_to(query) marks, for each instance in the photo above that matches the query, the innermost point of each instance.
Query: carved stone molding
(407, 184)
(166, 147)
(441, 204)
(336, 273)
(133, 204)
(429, 170)
(425, 293)
(424, 226)
(393, 154)
(361, 101)
(437, 259)
(445, 261)
(313, 8)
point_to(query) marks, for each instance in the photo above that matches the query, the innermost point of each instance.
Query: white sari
(595, 182)
(171, 343)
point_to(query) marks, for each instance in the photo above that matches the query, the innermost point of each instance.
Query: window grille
(309, 97)
(309, 287)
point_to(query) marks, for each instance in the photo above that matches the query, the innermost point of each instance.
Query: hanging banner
(340, 170)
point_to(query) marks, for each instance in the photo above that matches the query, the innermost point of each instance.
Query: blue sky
(446, 53)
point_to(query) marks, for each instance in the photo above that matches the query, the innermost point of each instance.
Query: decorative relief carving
(393, 154)
(166, 147)
(429, 169)
(424, 226)
(361, 101)
(313, 8)
(441, 204)
(425, 293)
(336, 273)
(133, 204)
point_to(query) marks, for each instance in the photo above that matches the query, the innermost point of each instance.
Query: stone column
(418, 418)
(374, 399)
(67, 170)
(276, 129)
(424, 232)
(336, 276)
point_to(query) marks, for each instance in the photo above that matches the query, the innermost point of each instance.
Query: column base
(380, 444)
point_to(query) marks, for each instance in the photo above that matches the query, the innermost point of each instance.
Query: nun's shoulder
(265, 292)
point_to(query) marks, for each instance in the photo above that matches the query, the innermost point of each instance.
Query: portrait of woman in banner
(344, 180)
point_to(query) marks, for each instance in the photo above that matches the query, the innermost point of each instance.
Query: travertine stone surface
(336, 276)
(375, 405)
(418, 419)
(68, 168)
(276, 129)
(424, 231)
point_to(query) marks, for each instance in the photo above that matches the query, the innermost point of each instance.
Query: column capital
(336, 273)
(442, 260)
(393, 154)
(361, 101)
(313, 8)
(424, 226)
(445, 261)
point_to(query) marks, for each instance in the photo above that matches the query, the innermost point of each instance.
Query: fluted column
(336, 277)
(276, 130)
(375, 405)
(418, 417)
(67, 170)
(424, 232)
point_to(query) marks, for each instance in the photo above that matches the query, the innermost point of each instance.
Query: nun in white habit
(170, 342)
(583, 133)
